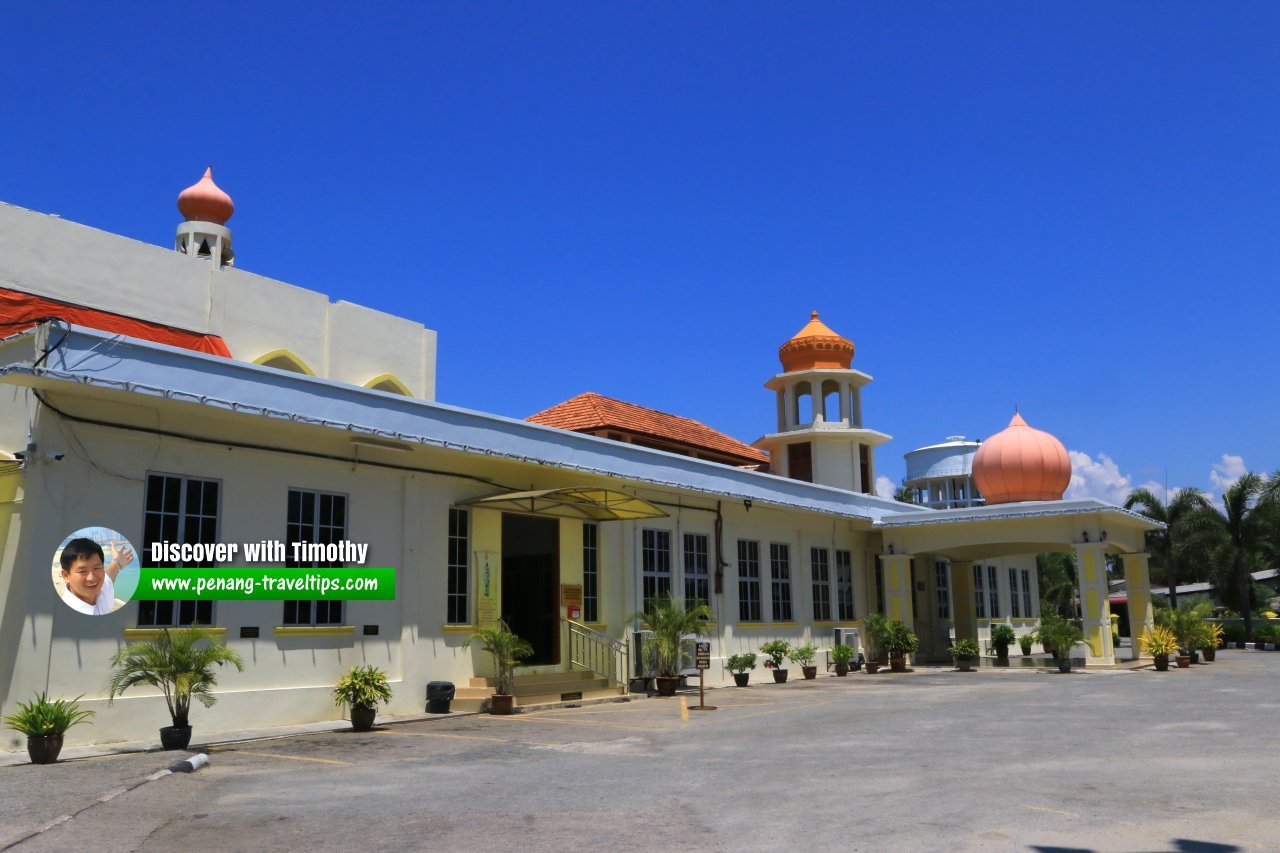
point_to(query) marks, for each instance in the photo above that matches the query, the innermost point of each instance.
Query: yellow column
(1094, 604)
(897, 588)
(964, 610)
(1138, 580)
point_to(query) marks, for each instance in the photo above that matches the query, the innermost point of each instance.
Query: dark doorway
(531, 583)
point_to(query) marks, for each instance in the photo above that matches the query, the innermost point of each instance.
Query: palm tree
(1059, 583)
(1165, 542)
(905, 494)
(671, 621)
(175, 664)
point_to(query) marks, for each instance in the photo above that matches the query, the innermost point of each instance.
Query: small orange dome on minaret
(816, 346)
(1021, 463)
(204, 201)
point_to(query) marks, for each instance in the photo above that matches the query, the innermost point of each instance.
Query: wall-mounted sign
(487, 586)
(571, 594)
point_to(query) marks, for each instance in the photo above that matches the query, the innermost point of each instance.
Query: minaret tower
(206, 209)
(820, 435)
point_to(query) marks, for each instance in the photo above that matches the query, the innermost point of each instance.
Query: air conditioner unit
(847, 637)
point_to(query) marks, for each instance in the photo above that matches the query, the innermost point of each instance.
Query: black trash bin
(439, 695)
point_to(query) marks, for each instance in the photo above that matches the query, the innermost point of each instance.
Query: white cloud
(1100, 478)
(1224, 474)
(884, 487)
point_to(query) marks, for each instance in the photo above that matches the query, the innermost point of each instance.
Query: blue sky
(1071, 207)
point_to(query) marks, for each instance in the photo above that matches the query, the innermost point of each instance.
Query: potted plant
(361, 689)
(775, 651)
(1060, 635)
(670, 621)
(875, 623)
(180, 667)
(841, 655)
(738, 665)
(966, 653)
(507, 650)
(1026, 641)
(804, 655)
(44, 723)
(898, 642)
(1159, 642)
(1212, 640)
(1002, 636)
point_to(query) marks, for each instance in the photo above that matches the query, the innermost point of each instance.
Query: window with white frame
(458, 588)
(780, 574)
(942, 588)
(181, 510)
(319, 518)
(655, 565)
(1015, 600)
(697, 569)
(979, 592)
(1026, 593)
(590, 572)
(844, 585)
(820, 571)
(993, 591)
(749, 581)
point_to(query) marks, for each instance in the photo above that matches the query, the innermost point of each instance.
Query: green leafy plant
(671, 621)
(1026, 641)
(1185, 623)
(965, 649)
(1263, 632)
(1159, 641)
(741, 662)
(42, 718)
(876, 624)
(177, 665)
(1060, 635)
(362, 687)
(1234, 633)
(775, 651)
(841, 655)
(506, 649)
(899, 640)
(1003, 636)
(803, 655)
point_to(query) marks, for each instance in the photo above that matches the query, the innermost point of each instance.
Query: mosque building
(172, 396)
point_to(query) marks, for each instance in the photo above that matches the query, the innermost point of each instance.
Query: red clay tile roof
(591, 411)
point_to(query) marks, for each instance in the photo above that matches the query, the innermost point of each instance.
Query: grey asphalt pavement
(928, 760)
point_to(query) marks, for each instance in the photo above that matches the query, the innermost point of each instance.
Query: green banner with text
(266, 584)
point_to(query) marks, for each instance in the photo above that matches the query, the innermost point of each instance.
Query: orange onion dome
(1021, 463)
(816, 346)
(204, 201)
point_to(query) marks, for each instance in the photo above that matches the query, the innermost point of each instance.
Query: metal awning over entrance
(590, 503)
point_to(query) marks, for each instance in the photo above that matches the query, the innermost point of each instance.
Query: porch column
(1138, 580)
(897, 588)
(1091, 561)
(964, 611)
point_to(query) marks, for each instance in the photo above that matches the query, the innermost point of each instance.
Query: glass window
(655, 562)
(979, 592)
(780, 572)
(459, 582)
(182, 510)
(820, 568)
(1015, 609)
(590, 572)
(749, 581)
(844, 585)
(697, 569)
(993, 592)
(315, 518)
(942, 588)
(1026, 593)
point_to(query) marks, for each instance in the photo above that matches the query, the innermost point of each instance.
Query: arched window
(282, 359)
(389, 383)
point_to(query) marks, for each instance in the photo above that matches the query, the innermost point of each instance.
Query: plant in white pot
(966, 652)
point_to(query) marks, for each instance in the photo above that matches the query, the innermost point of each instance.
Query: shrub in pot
(776, 651)
(841, 655)
(1026, 641)
(898, 642)
(670, 621)
(738, 665)
(507, 650)
(1060, 635)
(804, 655)
(1212, 640)
(362, 689)
(876, 625)
(966, 652)
(180, 664)
(44, 723)
(1159, 642)
(1002, 636)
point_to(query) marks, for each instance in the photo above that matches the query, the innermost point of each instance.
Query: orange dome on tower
(816, 346)
(1021, 463)
(204, 201)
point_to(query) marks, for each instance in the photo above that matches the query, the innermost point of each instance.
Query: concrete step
(534, 678)
(475, 697)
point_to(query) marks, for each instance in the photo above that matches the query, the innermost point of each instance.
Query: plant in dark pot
(875, 623)
(1159, 642)
(776, 651)
(1060, 635)
(739, 666)
(898, 642)
(671, 621)
(966, 652)
(362, 689)
(44, 723)
(841, 656)
(180, 664)
(804, 656)
(507, 650)
(1026, 641)
(1212, 641)
(1002, 636)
